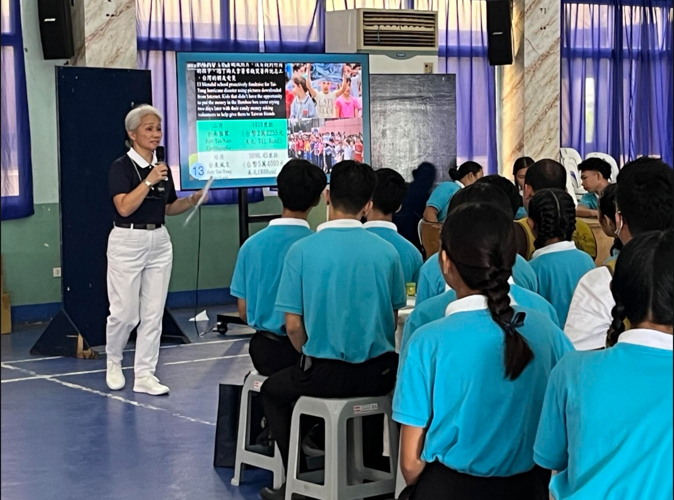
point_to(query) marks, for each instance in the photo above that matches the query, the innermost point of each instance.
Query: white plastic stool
(345, 473)
(243, 455)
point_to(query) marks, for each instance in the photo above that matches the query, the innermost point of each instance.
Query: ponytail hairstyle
(554, 213)
(643, 283)
(300, 81)
(607, 208)
(470, 167)
(480, 242)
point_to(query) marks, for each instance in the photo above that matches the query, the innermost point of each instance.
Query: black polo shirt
(125, 176)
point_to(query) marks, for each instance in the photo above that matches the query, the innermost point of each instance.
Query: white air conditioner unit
(398, 41)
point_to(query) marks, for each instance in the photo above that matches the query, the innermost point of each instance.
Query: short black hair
(300, 184)
(482, 193)
(596, 165)
(523, 162)
(352, 185)
(470, 167)
(390, 192)
(507, 187)
(645, 195)
(607, 201)
(546, 174)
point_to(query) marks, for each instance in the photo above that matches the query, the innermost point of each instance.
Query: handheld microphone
(161, 156)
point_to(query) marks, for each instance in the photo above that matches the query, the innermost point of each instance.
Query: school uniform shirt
(453, 384)
(410, 257)
(345, 282)
(434, 309)
(559, 268)
(432, 283)
(589, 200)
(303, 109)
(607, 421)
(591, 310)
(441, 196)
(521, 213)
(258, 272)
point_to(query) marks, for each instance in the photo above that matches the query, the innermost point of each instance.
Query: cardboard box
(6, 314)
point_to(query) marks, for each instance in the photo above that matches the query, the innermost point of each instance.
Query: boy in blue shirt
(340, 291)
(260, 262)
(595, 175)
(387, 200)
(606, 425)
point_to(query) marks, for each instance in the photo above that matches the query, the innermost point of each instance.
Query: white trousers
(139, 270)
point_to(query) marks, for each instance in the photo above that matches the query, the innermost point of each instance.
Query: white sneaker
(115, 377)
(150, 385)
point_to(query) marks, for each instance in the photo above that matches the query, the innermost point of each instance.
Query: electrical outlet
(57, 272)
(428, 68)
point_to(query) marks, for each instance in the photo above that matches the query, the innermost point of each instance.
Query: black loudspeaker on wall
(56, 29)
(499, 32)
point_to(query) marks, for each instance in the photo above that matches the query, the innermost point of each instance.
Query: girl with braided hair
(607, 419)
(557, 262)
(471, 385)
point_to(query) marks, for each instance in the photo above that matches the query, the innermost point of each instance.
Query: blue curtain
(617, 94)
(165, 27)
(17, 174)
(463, 52)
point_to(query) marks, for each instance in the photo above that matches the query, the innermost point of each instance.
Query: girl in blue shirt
(437, 206)
(557, 262)
(607, 419)
(471, 385)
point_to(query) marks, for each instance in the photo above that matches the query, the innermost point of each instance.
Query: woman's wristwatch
(148, 184)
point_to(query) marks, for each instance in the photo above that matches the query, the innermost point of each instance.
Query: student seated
(437, 206)
(340, 291)
(387, 200)
(520, 168)
(260, 262)
(557, 262)
(549, 174)
(606, 210)
(510, 191)
(607, 418)
(471, 385)
(644, 202)
(595, 174)
(431, 281)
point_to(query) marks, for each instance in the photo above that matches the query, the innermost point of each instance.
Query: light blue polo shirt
(590, 200)
(434, 309)
(452, 383)
(410, 257)
(258, 271)
(345, 282)
(607, 421)
(441, 196)
(521, 213)
(432, 283)
(559, 268)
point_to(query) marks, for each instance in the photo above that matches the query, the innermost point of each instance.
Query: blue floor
(65, 436)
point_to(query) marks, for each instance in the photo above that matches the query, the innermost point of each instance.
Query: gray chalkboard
(413, 119)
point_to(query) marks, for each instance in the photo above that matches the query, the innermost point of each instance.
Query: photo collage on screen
(325, 112)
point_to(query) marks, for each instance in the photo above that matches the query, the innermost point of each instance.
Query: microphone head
(161, 154)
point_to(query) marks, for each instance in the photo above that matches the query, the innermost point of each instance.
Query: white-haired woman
(140, 254)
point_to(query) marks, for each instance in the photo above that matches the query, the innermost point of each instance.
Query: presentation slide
(243, 116)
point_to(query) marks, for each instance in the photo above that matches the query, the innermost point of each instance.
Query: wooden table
(604, 243)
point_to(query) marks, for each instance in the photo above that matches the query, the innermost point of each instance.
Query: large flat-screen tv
(243, 116)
